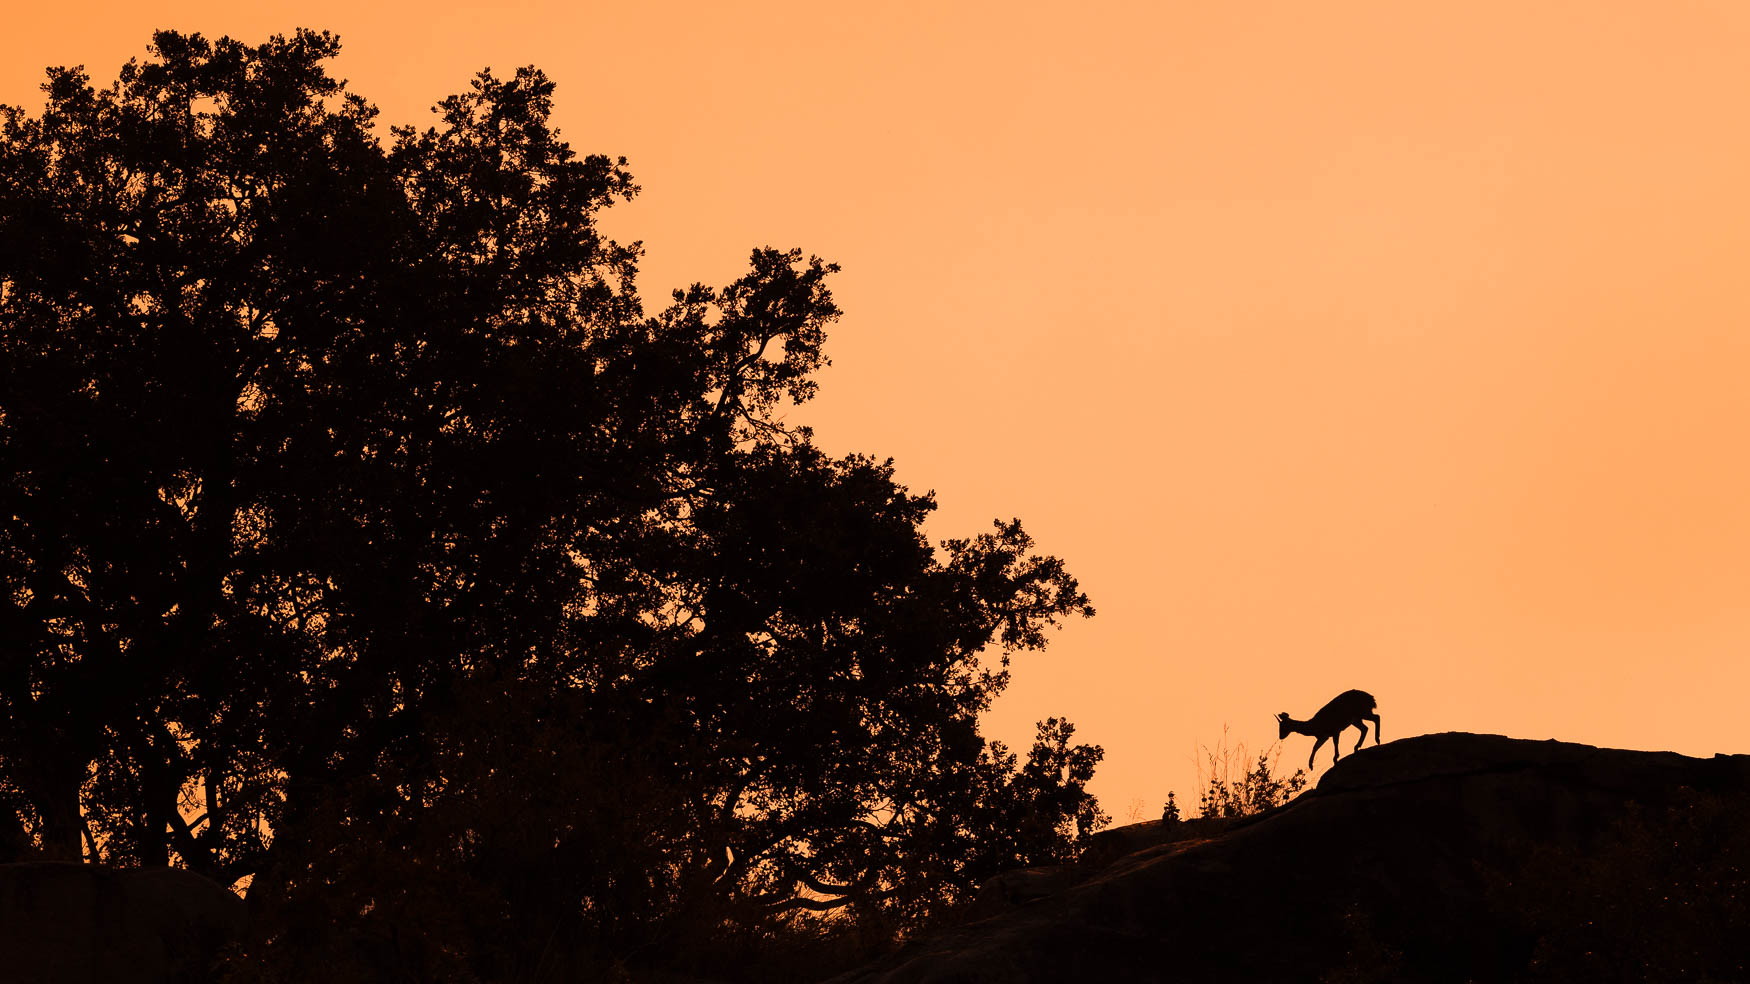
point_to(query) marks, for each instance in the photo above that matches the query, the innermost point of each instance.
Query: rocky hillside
(1450, 857)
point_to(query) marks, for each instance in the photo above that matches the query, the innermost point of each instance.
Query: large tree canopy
(364, 541)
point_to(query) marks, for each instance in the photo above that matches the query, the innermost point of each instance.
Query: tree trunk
(14, 839)
(63, 830)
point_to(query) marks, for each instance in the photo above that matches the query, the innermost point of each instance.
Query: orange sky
(1380, 345)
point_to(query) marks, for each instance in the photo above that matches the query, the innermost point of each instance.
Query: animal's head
(1282, 719)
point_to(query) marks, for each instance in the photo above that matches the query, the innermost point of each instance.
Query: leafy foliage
(363, 540)
(1004, 817)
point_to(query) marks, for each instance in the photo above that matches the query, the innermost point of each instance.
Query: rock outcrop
(66, 923)
(1448, 857)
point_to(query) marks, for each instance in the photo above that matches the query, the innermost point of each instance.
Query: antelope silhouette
(1351, 707)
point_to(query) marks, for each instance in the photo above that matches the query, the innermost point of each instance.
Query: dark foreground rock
(1451, 857)
(85, 924)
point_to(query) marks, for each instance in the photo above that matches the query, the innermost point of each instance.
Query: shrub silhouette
(1256, 788)
(1227, 794)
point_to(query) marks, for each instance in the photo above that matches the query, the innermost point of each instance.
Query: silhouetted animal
(1351, 707)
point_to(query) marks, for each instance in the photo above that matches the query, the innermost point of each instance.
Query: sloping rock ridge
(64, 923)
(1449, 857)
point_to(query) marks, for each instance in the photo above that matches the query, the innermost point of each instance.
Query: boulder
(1449, 857)
(64, 923)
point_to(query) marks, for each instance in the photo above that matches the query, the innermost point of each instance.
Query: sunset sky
(1398, 346)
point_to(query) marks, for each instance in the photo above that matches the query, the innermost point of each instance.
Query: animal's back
(1349, 703)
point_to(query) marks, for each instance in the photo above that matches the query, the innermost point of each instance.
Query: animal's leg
(1375, 719)
(1363, 739)
(1315, 752)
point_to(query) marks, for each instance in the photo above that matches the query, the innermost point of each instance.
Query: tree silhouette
(363, 537)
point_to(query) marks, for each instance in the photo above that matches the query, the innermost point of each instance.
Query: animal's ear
(1283, 716)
